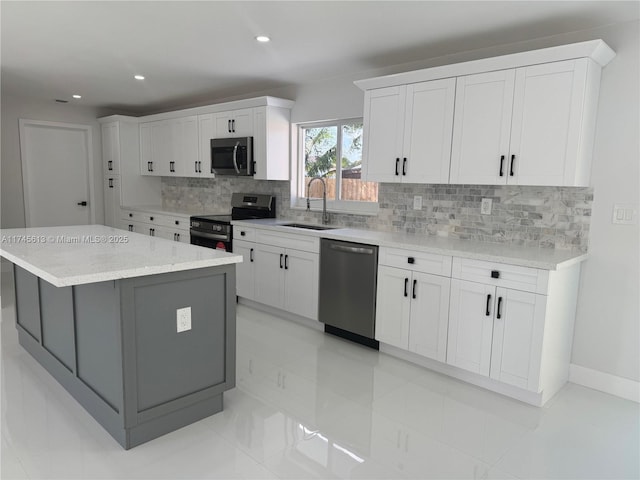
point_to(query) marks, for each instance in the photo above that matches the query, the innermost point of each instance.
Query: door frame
(87, 129)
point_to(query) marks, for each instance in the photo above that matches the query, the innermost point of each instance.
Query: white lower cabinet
(496, 332)
(412, 309)
(284, 278)
(167, 226)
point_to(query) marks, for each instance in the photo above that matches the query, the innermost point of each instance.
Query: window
(320, 146)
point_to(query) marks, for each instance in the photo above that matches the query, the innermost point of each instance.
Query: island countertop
(81, 254)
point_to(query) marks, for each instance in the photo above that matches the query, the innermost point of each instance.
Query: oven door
(211, 240)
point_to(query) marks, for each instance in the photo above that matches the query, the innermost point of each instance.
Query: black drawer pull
(495, 274)
(131, 215)
(498, 312)
(242, 234)
(411, 260)
(177, 222)
(251, 255)
(488, 301)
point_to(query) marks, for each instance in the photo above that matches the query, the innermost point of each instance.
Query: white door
(301, 283)
(546, 128)
(470, 326)
(57, 169)
(244, 271)
(481, 127)
(269, 275)
(392, 306)
(517, 338)
(383, 127)
(428, 128)
(429, 315)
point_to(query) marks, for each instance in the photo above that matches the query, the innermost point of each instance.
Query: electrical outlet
(625, 214)
(417, 202)
(183, 319)
(485, 207)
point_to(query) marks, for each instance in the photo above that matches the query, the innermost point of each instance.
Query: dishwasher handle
(358, 250)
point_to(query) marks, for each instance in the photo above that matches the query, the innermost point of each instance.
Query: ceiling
(195, 52)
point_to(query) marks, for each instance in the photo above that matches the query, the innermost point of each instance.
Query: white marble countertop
(542, 258)
(75, 255)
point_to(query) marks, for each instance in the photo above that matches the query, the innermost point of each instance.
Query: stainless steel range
(216, 231)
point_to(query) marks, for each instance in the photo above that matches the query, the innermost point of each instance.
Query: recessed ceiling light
(77, 96)
(262, 38)
(139, 77)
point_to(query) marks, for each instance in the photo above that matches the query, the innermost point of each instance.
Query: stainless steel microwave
(232, 156)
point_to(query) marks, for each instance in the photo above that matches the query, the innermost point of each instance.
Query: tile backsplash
(547, 217)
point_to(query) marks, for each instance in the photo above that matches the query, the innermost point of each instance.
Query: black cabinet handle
(281, 255)
(406, 284)
(177, 222)
(82, 204)
(199, 167)
(148, 166)
(174, 237)
(151, 166)
(131, 228)
(110, 164)
(251, 255)
(513, 159)
(242, 234)
(501, 165)
(233, 125)
(498, 313)
(151, 219)
(413, 290)
(495, 274)
(411, 260)
(404, 166)
(111, 183)
(229, 126)
(130, 215)
(172, 166)
(152, 232)
(286, 262)
(177, 237)
(195, 167)
(488, 300)
(397, 161)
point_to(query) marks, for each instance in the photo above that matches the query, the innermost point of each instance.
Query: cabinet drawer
(179, 222)
(247, 234)
(501, 275)
(416, 261)
(287, 240)
(131, 216)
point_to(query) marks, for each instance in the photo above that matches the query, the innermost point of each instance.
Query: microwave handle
(235, 157)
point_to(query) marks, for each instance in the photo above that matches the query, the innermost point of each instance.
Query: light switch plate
(417, 202)
(485, 207)
(625, 214)
(183, 319)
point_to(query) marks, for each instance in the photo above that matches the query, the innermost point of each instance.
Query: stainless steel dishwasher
(348, 279)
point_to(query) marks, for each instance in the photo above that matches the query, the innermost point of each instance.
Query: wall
(13, 109)
(607, 331)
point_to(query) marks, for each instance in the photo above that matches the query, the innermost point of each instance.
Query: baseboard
(605, 382)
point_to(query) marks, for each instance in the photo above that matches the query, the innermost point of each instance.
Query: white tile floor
(308, 405)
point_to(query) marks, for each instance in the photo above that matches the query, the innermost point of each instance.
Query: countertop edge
(368, 236)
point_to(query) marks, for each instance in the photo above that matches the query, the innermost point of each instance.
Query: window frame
(298, 201)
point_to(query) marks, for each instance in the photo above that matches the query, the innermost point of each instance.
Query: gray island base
(115, 346)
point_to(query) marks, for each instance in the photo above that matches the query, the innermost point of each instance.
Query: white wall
(13, 109)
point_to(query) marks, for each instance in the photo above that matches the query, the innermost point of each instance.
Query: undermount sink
(307, 226)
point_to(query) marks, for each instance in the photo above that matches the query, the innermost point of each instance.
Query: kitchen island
(139, 330)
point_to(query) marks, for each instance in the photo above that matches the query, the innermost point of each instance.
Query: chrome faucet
(325, 215)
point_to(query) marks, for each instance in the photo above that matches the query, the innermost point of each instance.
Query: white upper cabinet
(521, 119)
(524, 126)
(110, 148)
(237, 123)
(483, 110)
(408, 132)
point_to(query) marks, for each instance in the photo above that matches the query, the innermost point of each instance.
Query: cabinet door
(428, 128)
(393, 306)
(517, 338)
(547, 123)
(383, 127)
(112, 201)
(269, 275)
(242, 123)
(301, 283)
(244, 270)
(470, 326)
(110, 148)
(429, 317)
(146, 142)
(481, 128)
(186, 146)
(206, 131)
